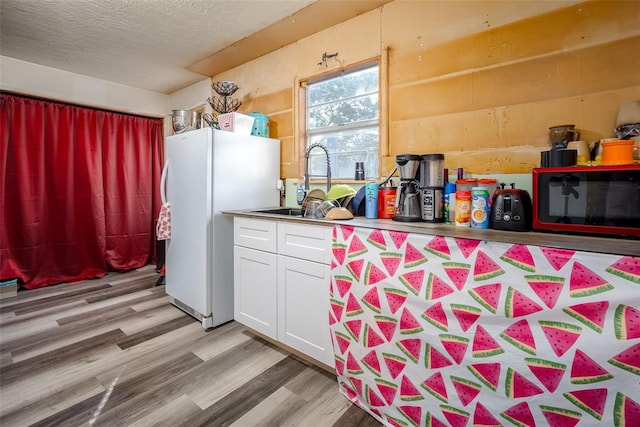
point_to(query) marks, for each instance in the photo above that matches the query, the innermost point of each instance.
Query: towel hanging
(163, 227)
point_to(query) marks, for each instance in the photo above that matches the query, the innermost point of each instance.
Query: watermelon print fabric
(439, 331)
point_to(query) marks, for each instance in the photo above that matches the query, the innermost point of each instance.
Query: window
(342, 113)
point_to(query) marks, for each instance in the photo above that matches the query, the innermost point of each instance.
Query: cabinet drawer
(256, 234)
(308, 242)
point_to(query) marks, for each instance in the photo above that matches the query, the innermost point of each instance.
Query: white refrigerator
(208, 171)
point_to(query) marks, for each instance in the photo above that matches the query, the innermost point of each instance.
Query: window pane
(347, 111)
(343, 115)
(346, 148)
(344, 86)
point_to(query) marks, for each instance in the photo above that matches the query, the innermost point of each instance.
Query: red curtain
(78, 191)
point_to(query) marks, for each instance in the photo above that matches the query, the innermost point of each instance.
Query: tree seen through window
(343, 115)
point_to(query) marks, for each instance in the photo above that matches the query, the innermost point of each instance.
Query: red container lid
(466, 181)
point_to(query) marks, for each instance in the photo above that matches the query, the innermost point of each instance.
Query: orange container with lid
(386, 202)
(463, 208)
(491, 184)
(617, 152)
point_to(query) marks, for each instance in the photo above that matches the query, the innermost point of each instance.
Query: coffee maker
(408, 199)
(432, 187)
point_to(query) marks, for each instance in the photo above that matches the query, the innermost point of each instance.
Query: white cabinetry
(281, 283)
(303, 289)
(255, 274)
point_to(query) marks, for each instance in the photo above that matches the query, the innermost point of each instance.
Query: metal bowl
(185, 120)
(327, 205)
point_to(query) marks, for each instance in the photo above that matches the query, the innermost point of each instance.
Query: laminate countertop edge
(605, 245)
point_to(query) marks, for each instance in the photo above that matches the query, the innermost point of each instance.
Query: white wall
(37, 80)
(191, 97)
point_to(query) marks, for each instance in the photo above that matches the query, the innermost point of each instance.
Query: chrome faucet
(306, 169)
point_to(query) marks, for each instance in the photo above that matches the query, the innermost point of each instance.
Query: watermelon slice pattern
(549, 373)
(436, 386)
(436, 316)
(413, 257)
(466, 315)
(438, 246)
(437, 331)
(466, 390)
(560, 417)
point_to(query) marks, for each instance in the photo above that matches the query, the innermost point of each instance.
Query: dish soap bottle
(300, 193)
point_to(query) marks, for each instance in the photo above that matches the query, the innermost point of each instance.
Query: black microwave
(588, 200)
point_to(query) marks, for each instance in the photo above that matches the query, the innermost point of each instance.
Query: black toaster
(511, 210)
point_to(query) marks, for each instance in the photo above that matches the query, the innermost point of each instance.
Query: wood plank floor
(115, 352)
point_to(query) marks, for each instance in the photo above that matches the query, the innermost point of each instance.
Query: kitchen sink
(281, 211)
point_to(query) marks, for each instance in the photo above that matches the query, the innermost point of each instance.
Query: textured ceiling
(146, 44)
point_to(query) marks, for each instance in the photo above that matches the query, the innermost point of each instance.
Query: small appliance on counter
(588, 200)
(432, 187)
(408, 200)
(511, 210)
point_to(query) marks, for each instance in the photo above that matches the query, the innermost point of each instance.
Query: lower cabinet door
(255, 289)
(303, 307)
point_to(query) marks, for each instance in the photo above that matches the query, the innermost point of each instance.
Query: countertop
(565, 241)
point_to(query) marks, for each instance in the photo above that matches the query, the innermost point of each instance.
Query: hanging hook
(326, 56)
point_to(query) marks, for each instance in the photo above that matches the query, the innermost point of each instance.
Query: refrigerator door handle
(163, 183)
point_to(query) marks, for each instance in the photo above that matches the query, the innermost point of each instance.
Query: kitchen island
(440, 325)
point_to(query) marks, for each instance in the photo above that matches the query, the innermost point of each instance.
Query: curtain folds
(78, 191)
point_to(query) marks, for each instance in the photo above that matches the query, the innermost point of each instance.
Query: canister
(260, 124)
(386, 202)
(491, 184)
(432, 204)
(463, 208)
(359, 172)
(479, 207)
(617, 152)
(466, 184)
(371, 200)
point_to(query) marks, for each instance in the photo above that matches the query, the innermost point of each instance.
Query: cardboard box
(236, 122)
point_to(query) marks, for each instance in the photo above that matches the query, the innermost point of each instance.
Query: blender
(408, 200)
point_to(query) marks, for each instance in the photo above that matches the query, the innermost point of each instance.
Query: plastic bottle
(449, 202)
(479, 207)
(300, 193)
(371, 200)
(463, 208)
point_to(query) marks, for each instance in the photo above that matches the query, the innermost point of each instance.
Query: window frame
(301, 110)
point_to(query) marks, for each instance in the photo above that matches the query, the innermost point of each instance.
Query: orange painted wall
(479, 81)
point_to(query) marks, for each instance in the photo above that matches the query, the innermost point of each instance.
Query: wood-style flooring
(115, 352)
